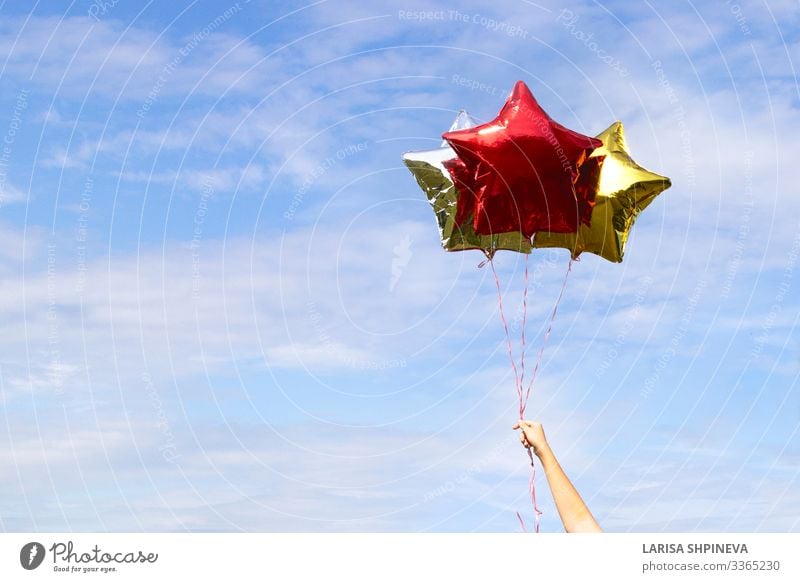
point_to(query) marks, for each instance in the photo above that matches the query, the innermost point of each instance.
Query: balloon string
(522, 356)
(532, 490)
(532, 478)
(521, 522)
(524, 403)
(517, 384)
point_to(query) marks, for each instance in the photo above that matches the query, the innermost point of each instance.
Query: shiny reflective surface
(625, 189)
(522, 169)
(428, 168)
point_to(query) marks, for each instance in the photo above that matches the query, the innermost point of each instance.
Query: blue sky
(225, 306)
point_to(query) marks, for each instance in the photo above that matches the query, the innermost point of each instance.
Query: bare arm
(575, 516)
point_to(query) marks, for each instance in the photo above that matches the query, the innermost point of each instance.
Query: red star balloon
(520, 171)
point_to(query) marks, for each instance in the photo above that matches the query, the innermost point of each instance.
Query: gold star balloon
(624, 190)
(428, 168)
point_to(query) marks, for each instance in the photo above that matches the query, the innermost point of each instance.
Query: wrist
(543, 452)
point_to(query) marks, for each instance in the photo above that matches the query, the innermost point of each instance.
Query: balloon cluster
(522, 181)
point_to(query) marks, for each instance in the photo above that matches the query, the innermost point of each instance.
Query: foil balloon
(625, 189)
(429, 168)
(521, 171)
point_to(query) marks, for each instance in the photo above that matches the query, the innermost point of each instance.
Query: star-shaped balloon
(625, 190)
(523, 168)
(428, 168)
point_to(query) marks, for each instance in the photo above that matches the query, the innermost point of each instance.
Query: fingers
(523, 438)
(528, 428)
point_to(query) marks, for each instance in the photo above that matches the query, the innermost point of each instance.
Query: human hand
(532, 435)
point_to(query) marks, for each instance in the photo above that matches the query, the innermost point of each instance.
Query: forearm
(574, 513)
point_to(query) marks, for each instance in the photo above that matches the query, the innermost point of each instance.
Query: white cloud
(10, 194)
(78, 54)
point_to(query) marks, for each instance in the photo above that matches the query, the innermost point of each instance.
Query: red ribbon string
(524, 320)
(517, 384)
(519, 378)
(546, 337)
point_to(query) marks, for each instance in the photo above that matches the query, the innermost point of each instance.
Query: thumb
(516, 426)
